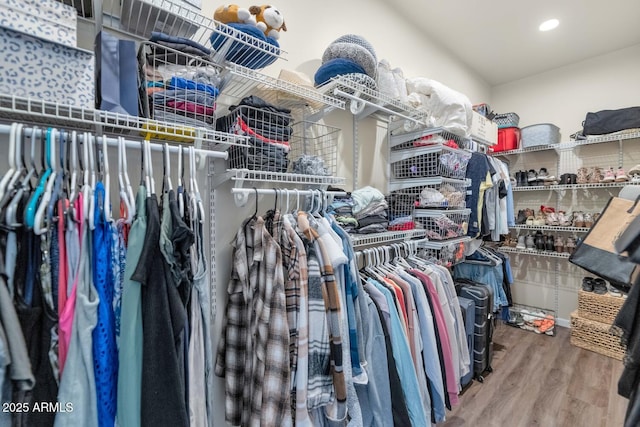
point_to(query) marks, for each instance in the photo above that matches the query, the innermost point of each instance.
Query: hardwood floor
(543, 381)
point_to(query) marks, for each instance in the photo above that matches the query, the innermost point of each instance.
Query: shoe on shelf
(587, 284)
(578, 219)
(570, 245)
(532, 177)
(609, 176)
(588, 220)
(530, 221)
(522, 178)
(552, 219)
(573, 178)
(550, 244)
(544, 177)
(529, 242)
(599, 286)
(558, 244)
(564, 220)
(540, 241)
(621, 176)
(635, 170)
(522, 217)
(521, 244)
(583, 176)
(635, 178)
(595, 175)
(565, 179)
(539, 220)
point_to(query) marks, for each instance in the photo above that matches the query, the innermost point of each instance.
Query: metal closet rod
(113, 142)
(272, 191)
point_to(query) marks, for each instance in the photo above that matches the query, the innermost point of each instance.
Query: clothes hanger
(92, 181)
(124, 193)
(39, 226)
(166, 169)
(181, 181)
(12, 185)
(12, 158)
(197, 198)
(25, 185)
(87, 190)
(72, 163)
(107, 181)
(58, 186)
(151, 183)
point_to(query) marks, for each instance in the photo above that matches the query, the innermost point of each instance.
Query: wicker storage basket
(595, 336)
(507, 120)
(540, 134)
(599, 308)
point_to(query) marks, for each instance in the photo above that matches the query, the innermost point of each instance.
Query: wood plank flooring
(542, 381)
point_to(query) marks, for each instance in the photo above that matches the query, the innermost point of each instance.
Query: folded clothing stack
(180, 89)
(268, 129)
(342, 210)
(447, 196)
(352, 56)
(370, 209)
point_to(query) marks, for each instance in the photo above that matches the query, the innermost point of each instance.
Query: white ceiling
(499, 39)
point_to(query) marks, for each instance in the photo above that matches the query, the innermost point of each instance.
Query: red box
(508, 139)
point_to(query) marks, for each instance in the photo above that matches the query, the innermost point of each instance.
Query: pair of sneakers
(596, 285)
(617, 176)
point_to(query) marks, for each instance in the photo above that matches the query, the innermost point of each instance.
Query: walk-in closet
(358, 214)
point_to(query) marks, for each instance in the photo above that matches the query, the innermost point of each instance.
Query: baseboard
(565, 323)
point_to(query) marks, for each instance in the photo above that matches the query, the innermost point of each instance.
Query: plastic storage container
(508, 139)
(540, 134)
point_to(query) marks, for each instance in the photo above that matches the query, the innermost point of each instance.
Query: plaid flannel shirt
(253, 351)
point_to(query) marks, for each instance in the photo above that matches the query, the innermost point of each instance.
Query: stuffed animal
(269, 20)
(232, 13)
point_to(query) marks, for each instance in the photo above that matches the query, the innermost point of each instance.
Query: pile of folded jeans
(180, 87)
(370, 209)
(268, 129)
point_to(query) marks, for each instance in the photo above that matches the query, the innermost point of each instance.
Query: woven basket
(599, 308)
(595, 336)
(507, 120)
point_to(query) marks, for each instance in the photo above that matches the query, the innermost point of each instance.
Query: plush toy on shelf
(232, 13)
(269, 20)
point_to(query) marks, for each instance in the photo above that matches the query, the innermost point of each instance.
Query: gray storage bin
(540, 134)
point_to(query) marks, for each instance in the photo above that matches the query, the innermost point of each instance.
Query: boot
(550, 246)
(540, 241)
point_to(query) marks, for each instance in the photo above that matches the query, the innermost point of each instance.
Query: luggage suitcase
(482, 296)
(468, 309)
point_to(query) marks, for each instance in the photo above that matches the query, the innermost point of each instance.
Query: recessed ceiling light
(549, 25)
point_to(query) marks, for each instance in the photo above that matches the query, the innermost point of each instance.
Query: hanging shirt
(451, 383)
(430, 354)
(131, 337)
(105, 352)
(78, 385)
(163, 321)
(253, 352)
(402, 356)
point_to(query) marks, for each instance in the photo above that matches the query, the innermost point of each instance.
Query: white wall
(563, 96)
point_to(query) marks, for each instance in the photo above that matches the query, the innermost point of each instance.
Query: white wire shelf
(241, 81)
(386, 238)
(534, 252)
(399, 184)
(575, 186)
(45, 113)
(282, 177)
(400, 136)
(139, 18)
(550, 228)
(615, 137)
(365, 101)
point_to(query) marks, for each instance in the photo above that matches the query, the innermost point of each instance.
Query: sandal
(552, 219)
(578, 219)
(588, 220)
(570, 246)
(559, 244)
(564, 220)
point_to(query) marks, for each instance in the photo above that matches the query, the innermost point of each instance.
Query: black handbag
(597, 252)
(609, 121)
